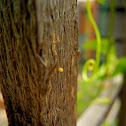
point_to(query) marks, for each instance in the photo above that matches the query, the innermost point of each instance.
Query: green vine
(92, 64)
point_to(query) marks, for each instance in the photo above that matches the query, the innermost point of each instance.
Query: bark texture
(36, 38)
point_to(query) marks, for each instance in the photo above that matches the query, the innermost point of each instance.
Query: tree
(122, 114)
(38, 61)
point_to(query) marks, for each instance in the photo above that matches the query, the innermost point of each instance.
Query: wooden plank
(1, 101)
(96, 113)
(114, 112)
(3, 118)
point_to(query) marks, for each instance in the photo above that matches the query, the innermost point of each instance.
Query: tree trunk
(38, 61)
(122, 114)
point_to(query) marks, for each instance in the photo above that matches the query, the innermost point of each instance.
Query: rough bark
(36, 38)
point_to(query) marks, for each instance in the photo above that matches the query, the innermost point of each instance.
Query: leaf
(112, 60)
(101, 101)
(93, 45)
(101, 1)
(101, 72)
(106, 124)
(121, 67)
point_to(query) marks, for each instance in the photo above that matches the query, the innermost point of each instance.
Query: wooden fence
(96, 114)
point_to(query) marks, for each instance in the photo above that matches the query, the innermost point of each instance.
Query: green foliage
(121, 66)
(113, 65)
(115, 123)
(93, 45)
(90, 87)
(104, 45)
(87, 91)
(101, 1)
(101, 101)
(105, 124)
(95, 63)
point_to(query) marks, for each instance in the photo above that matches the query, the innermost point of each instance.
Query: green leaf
(101, 1)
(101, 101)
(106, 124)
(121, 67)
(93, 45)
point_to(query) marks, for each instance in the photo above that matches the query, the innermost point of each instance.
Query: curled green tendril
(91, 64)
